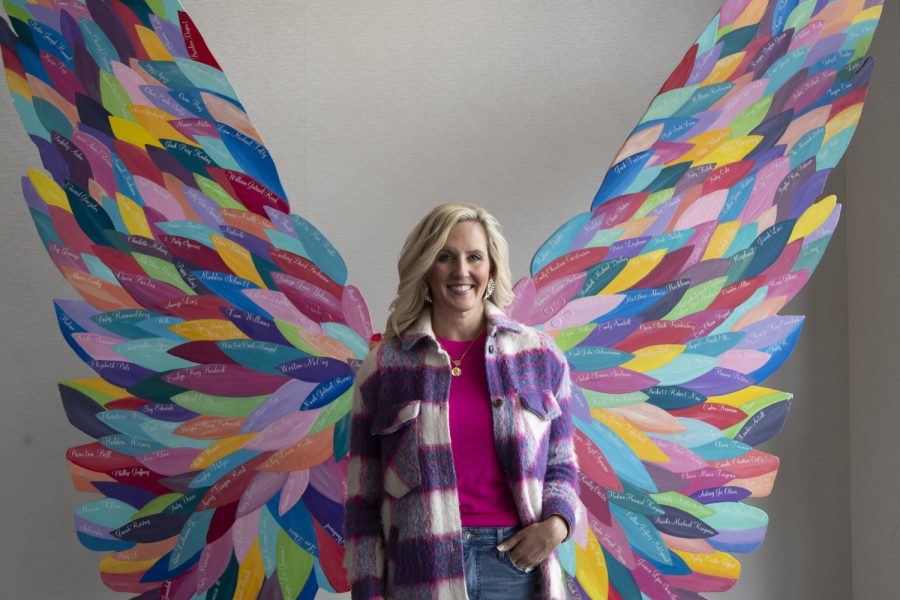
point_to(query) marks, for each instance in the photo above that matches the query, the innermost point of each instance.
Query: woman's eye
(475, 257)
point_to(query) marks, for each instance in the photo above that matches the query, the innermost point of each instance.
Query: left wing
(221, 328)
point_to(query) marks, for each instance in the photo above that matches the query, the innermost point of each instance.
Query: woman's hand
(531, 546)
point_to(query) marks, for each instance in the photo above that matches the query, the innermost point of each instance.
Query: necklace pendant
(456, 370)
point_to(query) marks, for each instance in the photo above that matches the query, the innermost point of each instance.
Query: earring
(427, 292)
(489, 290)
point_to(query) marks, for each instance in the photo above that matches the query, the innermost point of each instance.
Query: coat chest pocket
(396, 426)
(541, 403)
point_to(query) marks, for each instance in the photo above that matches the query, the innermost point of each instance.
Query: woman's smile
(461, 289)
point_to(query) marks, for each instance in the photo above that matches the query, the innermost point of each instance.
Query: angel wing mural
(224, 331)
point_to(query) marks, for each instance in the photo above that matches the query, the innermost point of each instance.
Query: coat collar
(421, 328)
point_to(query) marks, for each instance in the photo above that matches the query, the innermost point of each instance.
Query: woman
(462, 476)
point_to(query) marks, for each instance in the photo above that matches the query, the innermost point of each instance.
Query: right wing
(220, 326)
(665, 296)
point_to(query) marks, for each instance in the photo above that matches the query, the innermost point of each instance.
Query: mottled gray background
(376, 111)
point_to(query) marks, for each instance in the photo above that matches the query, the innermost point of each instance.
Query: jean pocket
(507, 558)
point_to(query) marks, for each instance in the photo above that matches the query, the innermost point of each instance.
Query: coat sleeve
(560, 496)
(363, 534)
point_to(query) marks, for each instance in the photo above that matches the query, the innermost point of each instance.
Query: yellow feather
(590, 569)
(716, 564)
(741, 397)
(17, 85)
(208, 329)
(653, 357)
(221, 449)
(703, 145)
(110, 565)
(733, 150)
(48, 190)
(813, 217)
(724, 68)
(721, 239)
(156, 50)
(238, 259)
(156, 122)
(133, 216)
(636, 269)
(870, 14)
(251, 575)
(132, 133)
(97, 385)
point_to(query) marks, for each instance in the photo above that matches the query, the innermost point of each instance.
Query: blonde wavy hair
(421, 249)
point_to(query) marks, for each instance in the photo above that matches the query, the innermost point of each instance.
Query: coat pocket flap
(391, 418)
(540, 402)
(396, 426)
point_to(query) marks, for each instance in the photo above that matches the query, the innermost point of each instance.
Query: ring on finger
(523, 569)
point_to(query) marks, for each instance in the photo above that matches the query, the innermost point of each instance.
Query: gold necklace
(456, 370)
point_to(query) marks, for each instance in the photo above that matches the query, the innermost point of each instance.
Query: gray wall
(873, 294)
(377, 111)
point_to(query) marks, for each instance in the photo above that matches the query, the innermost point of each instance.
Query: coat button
(498, 402)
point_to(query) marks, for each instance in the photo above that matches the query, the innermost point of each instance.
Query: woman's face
(461, 270)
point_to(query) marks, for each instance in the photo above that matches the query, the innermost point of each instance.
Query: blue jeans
(490, 573)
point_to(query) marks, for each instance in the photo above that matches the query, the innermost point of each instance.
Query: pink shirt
(485, 499)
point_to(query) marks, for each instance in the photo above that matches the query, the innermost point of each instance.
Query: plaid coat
(403, 529)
